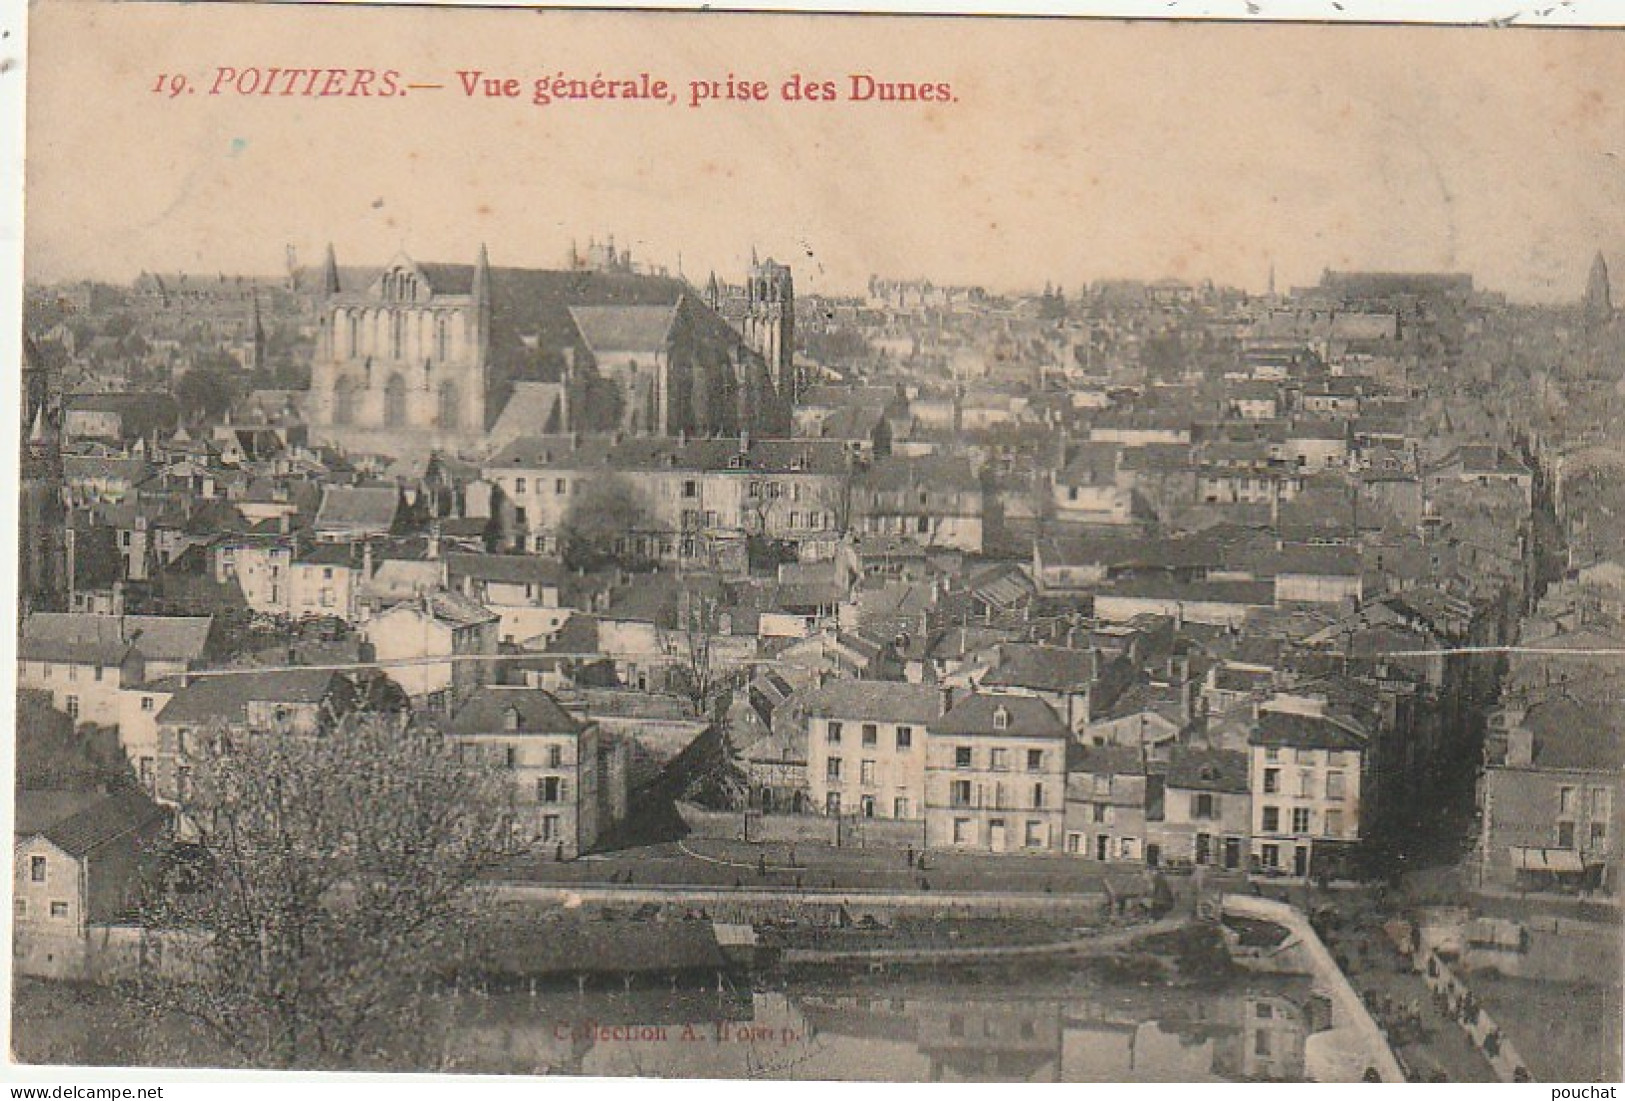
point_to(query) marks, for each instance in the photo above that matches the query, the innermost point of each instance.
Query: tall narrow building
(41, 545)
(1599, 304)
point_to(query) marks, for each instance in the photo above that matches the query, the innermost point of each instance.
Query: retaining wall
(1349, 1015)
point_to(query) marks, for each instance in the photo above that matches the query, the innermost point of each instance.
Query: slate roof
(357, 508)
(534, 710)
(532, 408)
(1196, 769)
(85, 637)
(226, 697)
(39, 809)
(448, 607)
(643, 329)
(886, 701)
(974, 714)
(106, 820)
(1318, 560)
(1043, 668)
(1105, 760)
(511, 569)
(1297, 731)
(1573, 735)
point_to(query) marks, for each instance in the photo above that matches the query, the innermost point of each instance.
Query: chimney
(1520, 747)
(946, 695)
(366, 560)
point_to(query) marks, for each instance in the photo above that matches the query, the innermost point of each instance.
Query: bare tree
(339, 877)
(690, 643)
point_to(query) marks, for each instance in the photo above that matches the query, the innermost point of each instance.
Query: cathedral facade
(416, 357)
(404, 355)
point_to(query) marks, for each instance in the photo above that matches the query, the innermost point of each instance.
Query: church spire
(330, 272)
(482, 278)
(1599, 304)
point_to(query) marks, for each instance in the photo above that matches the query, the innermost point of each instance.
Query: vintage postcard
(784, 546)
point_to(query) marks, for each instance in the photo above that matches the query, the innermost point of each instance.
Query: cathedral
(415, 357)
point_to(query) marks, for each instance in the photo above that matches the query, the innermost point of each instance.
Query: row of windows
(998, 759)
(355, 329)
(48, 672)
(58, 909)
(1035, 835)
(962, 794)
(1302, 821)
(869, 734)
(1335, 787)
(689, 491)
(1303, 756)
(867, 805)
(508, 756)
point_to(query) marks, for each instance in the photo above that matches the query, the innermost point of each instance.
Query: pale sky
(1076, 150)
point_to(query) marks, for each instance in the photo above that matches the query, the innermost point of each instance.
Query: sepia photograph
(863, 547)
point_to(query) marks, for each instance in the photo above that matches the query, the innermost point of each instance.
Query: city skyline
(1399, 149)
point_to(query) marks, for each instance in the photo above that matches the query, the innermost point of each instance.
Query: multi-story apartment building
(1551, 801)
(84, 659)
(569, 780)
(1307, 771)
(995, 775)
(936, 500)
(1206, 809)
(866, 747)
(1108, 792)
(697, 496)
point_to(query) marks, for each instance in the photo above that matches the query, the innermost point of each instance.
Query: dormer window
(510, 719)
(1001, 718)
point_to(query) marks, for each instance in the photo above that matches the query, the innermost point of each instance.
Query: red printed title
(270, 82)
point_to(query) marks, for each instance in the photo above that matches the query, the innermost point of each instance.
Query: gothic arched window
(395, 402)
(353, 324)
(451, 406)
(344, 401)
(397, 333)
(442, 337)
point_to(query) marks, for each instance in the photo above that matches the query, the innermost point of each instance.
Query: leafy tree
(603, 524)
(340, 877)
(210, 388)
(53, 754)
(596, 402)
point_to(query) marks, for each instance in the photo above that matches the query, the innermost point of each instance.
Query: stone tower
(769, 324)
(1598, 304)
(41, 543)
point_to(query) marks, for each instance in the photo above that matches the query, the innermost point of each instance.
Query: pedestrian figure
(558, 854)
(761, 865)
(911, 856)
